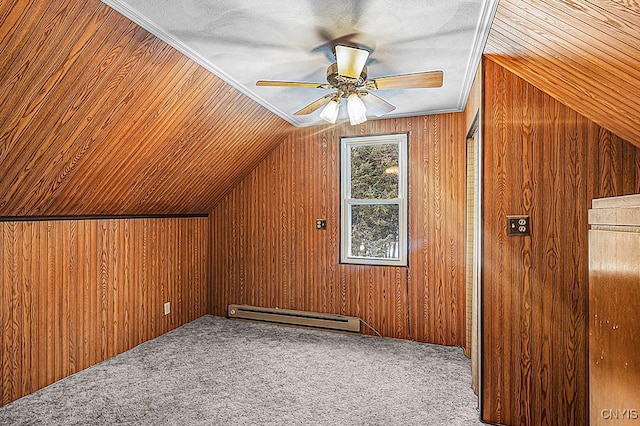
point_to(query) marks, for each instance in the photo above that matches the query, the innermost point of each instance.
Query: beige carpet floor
(216, 371)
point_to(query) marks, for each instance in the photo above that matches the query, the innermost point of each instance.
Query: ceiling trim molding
(134, 16)
(486, 19)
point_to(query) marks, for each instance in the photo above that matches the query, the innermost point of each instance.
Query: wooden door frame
(474, 136)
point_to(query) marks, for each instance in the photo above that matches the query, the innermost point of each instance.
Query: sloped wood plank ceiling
(99, 117)
(585, 53)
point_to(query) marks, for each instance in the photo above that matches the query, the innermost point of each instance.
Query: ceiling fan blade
(407, 81)
(292, 84)
(376, 106)
(351, 61)
(315, 105)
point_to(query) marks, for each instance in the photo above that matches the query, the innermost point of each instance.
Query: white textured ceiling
(243, 41)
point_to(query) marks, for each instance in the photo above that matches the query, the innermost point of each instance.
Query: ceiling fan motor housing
(345, 85)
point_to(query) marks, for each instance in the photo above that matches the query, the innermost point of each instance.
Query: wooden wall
(474, 102)
(585, 53)
(267, 252)
(76, 292)
(543, 159)
(99, 117)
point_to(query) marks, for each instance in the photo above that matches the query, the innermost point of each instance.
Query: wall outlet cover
(518, 226)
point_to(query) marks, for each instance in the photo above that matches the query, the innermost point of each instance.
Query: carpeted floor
(216, 371)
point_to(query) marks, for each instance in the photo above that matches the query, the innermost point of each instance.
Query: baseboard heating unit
(295, 318)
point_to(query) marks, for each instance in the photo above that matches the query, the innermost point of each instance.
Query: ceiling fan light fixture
(351, 61)
(330, 111)
(348, 77)
(356, 109)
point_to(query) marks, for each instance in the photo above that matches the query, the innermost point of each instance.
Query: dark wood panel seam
(98, 217)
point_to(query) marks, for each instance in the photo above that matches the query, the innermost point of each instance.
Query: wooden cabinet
(614, 311)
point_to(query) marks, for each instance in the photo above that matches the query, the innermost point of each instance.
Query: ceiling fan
(348, 76)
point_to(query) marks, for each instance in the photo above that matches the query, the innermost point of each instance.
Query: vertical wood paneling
(76, 292)
(545, 160)
(267, 252)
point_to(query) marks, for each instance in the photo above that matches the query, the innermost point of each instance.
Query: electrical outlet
(321, 224)
(518, 226)
(167, 308)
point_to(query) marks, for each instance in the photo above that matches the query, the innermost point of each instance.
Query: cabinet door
(614, 327)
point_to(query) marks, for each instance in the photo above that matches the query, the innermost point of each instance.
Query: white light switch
(167, 308)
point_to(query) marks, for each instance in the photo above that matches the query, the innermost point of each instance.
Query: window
(373, 211)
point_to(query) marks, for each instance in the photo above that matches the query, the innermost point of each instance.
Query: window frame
(346, 202)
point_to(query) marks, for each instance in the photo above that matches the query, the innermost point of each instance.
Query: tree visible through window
(373, 217)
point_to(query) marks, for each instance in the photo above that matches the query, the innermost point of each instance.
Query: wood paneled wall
(474, 102)
(267, 252)
(542, 159)
(585, 53)
(99, 117)
(76, 292)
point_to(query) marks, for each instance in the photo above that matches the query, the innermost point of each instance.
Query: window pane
(375, 231)
(374, 171)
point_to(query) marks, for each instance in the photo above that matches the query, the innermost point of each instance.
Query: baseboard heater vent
(295, 318)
